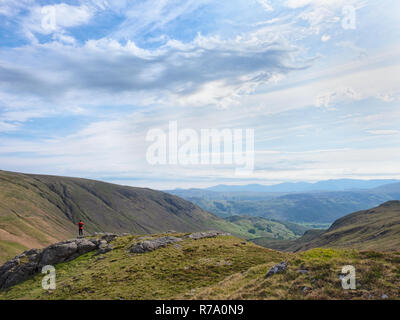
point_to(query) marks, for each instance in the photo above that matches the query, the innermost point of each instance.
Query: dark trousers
(81, 232)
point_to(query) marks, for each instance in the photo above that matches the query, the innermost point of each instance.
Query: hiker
(81, 224)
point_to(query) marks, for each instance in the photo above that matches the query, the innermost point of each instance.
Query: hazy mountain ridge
(309, 207)
(325, 185)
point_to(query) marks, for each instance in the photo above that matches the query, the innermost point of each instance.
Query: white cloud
(384, 132)
(266, 5)
(325, 38)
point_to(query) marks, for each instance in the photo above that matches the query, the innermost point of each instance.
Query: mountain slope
(373, 229)
(36, 210)
(224, 267)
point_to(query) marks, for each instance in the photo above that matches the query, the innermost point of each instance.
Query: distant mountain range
(300, 207)
(326, 185)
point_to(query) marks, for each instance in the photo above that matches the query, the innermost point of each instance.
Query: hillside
(222, 267)
(255, 227)
(373, 229)
(36, 210)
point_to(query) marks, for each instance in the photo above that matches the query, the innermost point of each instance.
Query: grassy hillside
(377, 274)
(37, 210)
(373, 229)
(161, 274)
(255, 227)
(215, 268)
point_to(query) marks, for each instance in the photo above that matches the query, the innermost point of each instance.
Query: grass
(217, 268)
(10, 249)
(161, 274)
(255, 227)
(374, 278)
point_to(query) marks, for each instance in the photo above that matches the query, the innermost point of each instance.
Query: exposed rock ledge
(31, 262)
(153, 244)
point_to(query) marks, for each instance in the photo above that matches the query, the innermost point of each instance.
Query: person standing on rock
(80, 225)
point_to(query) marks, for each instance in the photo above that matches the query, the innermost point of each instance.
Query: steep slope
(36, 210)
(373, 229)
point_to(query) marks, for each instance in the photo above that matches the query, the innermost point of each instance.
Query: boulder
(31, 262)
(302, 271)
(150, 245)
(278, 268)
(59, 252)
(104, 247)
(109, 237)
(208, 234)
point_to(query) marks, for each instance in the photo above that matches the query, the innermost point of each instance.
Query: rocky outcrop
(104, 247)
(31, 262)
(208, 234)
(152, 244)
(278, 268)
(147, 245)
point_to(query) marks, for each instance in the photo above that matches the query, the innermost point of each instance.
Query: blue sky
(82, 82)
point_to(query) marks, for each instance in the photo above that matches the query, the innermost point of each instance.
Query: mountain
(391, 188)
(326, 185)
(373, 229)
(36, 210)
(222, 267)
(312, 208)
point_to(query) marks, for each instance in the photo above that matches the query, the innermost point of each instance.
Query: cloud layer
(81, 83)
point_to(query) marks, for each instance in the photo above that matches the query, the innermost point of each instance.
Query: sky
(82, 83)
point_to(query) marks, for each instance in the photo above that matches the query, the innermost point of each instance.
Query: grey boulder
(278, 268)
(208, 234)
(150, 245)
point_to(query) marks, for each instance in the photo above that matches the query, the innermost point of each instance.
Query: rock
(31, 261)
(104, 247)
(208, 234)
(302, 271)
(384, 296)
(59, 252)
(85, 246)
(278, 268)
(304, 289)
(150, 245)
(109, 237)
